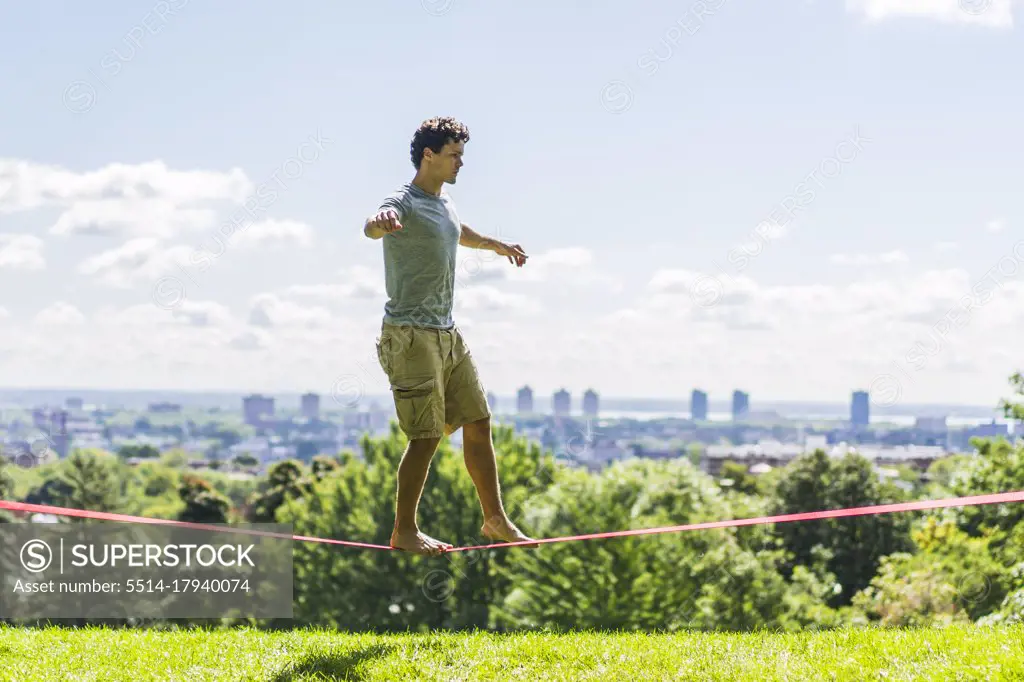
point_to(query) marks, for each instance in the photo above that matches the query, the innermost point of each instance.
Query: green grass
(243, 654)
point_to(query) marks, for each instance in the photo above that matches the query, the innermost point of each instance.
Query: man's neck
(429, 185)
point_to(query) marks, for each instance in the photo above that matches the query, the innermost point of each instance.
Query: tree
(997, 468)
(1013, 408)
(138, 452)
(245, 460)
(737, 477)
(90, 481)
(323, 466)
(397, 591)
(203, 504)
(689, 580)
(950, 578)
(55, 492)
(285, 479)
(6, 487)
(856, 544)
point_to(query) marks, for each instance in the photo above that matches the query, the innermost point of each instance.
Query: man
(433, 377)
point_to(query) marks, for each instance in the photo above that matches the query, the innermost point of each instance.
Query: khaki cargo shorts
(433, 379)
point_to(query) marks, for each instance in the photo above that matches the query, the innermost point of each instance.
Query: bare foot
(501, 529)
(418, 543)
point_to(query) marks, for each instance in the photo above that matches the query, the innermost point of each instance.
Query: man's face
(448, 161)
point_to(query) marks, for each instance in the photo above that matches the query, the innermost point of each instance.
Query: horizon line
(544, 397)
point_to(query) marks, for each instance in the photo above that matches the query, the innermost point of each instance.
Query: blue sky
(631, 150)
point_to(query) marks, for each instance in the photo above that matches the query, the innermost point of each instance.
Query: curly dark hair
(436, 133)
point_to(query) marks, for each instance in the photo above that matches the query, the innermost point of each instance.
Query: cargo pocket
(384, 353)
(414, 402)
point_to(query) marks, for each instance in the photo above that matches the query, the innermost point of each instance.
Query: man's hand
(513, 252)
(385, 222)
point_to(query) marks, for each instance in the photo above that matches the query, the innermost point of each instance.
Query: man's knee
(424, 445)
(480, 427)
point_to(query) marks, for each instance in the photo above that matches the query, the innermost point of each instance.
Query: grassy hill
(969, 653)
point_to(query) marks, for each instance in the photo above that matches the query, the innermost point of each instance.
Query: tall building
(860, 409)
(492, 401)
(256, 407)
(590, 403)
(740, 405)
(699, 405)
(59, 438)
(310, 405)
(524, 400)
(562, 403)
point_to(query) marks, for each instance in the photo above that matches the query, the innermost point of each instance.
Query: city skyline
(298, 400)
(172, 217)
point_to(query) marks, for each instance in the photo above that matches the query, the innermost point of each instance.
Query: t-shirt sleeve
(396, 202)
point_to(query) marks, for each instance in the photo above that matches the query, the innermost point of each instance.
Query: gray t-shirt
(419, 259)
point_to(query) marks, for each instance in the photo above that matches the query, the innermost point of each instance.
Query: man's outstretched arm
(473, 240)
(385, 221)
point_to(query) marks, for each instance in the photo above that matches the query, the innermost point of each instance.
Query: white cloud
(137, 260)
(273, 232)
(202, 313)
(886, 258)
(59, 314)
(568, 265)
(146, 217)
(784, 341)
(358, 282)
(487, 298)
(250, 340)
(21, 252)
(989, 13)
(945, 246)
(689, 328)
(995, 226)
(271, 311)
(33, 185)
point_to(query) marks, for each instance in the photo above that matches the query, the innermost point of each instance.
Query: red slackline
(994, 498)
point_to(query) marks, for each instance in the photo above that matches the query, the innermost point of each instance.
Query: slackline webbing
(972, 500)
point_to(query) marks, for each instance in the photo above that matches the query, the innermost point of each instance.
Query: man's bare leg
(412, 474)
(478, 451)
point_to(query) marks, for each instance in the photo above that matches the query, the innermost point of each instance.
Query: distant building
(165, 408)
(776, 454)
(699, 405)
(41, 418)
(562, 403)
(961, 439)
(740, 405)
(990, 430)
(256, 407)
(524, 400)
(53, 425)
(59, 438)
(492, 401)
(931, 424)
(590, 403)
(73, 403)
(310, 406)
(860, 409)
